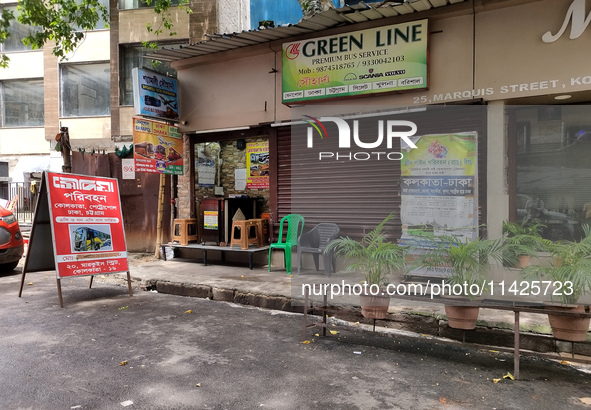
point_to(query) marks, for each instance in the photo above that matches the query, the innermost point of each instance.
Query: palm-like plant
(571, 265)
(468, 260)
(374, 255)
(524, 239)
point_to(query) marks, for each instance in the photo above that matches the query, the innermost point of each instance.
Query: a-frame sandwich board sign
(81, 217)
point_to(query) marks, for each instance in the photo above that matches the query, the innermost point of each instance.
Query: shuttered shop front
(357, 190)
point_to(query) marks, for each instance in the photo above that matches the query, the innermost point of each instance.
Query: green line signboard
(378, 60)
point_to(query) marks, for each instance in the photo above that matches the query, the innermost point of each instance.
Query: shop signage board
(378, 60)
(439, 190)
(257, 165)
(157, 147)
(81, 216)
(155, 95)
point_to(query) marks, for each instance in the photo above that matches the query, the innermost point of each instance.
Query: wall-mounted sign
(257, 165)
(439, 191)
(157, 147)
(155, 95)
(576, 15)
(384, 59)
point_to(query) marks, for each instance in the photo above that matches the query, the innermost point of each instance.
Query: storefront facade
(522, 62)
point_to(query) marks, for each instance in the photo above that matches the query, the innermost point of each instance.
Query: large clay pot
(572, 329)
(374, 307)
(462, 317)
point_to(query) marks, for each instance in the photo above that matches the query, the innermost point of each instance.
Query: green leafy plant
(570, 270)
(468, 261)
(524, 239)
(375, 256)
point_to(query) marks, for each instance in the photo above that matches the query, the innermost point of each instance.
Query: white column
(497, 195)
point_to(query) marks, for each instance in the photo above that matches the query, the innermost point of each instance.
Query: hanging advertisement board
(257, 164)
(155, 95)
(157, 147)
(384, 59)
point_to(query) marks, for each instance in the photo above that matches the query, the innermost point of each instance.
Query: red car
(11, 241)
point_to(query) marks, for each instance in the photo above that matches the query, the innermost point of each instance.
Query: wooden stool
(245, 228)
(184, 230)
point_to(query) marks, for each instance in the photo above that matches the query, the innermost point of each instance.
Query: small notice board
(81, 216)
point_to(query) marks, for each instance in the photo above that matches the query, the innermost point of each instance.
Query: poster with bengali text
(439, 189)
(87, 225)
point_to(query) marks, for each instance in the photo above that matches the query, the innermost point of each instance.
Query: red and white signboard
(87, 225)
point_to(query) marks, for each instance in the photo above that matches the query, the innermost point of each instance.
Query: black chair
(315, 242)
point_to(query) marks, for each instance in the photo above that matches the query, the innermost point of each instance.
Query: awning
(343, 16)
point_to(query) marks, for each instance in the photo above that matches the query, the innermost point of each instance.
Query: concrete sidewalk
(234, 282)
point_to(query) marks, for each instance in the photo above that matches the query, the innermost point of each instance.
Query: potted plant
(523, 241)
(377, 258)
(468, 262)
(570, 273)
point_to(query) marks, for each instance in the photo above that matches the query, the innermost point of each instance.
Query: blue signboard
(155, 95)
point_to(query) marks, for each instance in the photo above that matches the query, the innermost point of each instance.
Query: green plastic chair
(295, 227)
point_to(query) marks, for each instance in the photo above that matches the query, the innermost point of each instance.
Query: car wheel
(7, 267)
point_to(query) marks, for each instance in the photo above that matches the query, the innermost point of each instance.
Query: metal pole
(516, 348)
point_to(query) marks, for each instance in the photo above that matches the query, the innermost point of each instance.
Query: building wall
(204, 100)
(203, 20)
(132, 25)
(17, 141)
(24, 64)
(236, 16)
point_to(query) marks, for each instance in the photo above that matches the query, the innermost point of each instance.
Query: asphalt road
(224, 356)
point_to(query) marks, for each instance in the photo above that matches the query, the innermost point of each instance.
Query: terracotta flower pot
(572, 329)
(462, 317)
(524, 261)
(374, 307)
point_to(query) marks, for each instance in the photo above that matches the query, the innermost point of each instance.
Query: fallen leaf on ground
(123, 363)
(565, 362)
(30, 284)
(585, 400)
(188, 311)
(494, 351)
(317, 335)
(198, 385)
(334, 332)
(442, 400)
(495, 381)
(508, 376)
(306, 342)
(124, 307)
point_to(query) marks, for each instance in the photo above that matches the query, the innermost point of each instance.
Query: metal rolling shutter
(357, 195)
